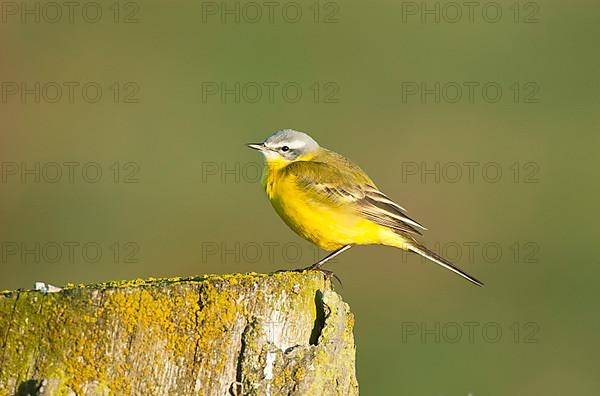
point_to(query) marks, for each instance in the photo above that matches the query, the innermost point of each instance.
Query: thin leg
(318, 264)
(331, 255)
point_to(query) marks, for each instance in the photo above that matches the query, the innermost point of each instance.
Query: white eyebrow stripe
(294, 144)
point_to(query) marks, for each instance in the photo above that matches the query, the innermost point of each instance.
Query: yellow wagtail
(331, 202)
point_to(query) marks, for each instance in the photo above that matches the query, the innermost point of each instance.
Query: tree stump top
(257, 334)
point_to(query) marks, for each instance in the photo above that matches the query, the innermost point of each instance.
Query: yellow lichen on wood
(286, 333)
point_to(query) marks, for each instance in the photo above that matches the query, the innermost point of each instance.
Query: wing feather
(346, 184)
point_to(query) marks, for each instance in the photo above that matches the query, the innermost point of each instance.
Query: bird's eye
(285, 148)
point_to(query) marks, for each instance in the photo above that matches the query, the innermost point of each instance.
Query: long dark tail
(428, 254)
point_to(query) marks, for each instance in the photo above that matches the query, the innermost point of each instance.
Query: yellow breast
(328, 225)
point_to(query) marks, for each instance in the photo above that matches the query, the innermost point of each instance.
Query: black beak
(256, 146)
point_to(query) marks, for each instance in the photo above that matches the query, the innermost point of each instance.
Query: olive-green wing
(340, 183)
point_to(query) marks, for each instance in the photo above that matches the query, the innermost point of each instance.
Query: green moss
(70, 335)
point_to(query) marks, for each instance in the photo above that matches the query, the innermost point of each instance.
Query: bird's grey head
(286, 144)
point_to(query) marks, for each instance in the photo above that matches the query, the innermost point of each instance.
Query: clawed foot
(317, 266)
(328, 274)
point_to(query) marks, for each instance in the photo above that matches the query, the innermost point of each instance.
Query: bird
(328, 200)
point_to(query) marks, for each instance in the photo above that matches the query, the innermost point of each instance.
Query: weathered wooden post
(279, 334)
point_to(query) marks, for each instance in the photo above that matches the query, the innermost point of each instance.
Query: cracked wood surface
(280, 334)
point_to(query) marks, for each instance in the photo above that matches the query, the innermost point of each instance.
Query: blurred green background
(179, 195)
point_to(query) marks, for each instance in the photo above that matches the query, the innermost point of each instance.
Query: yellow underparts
(324, 224)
